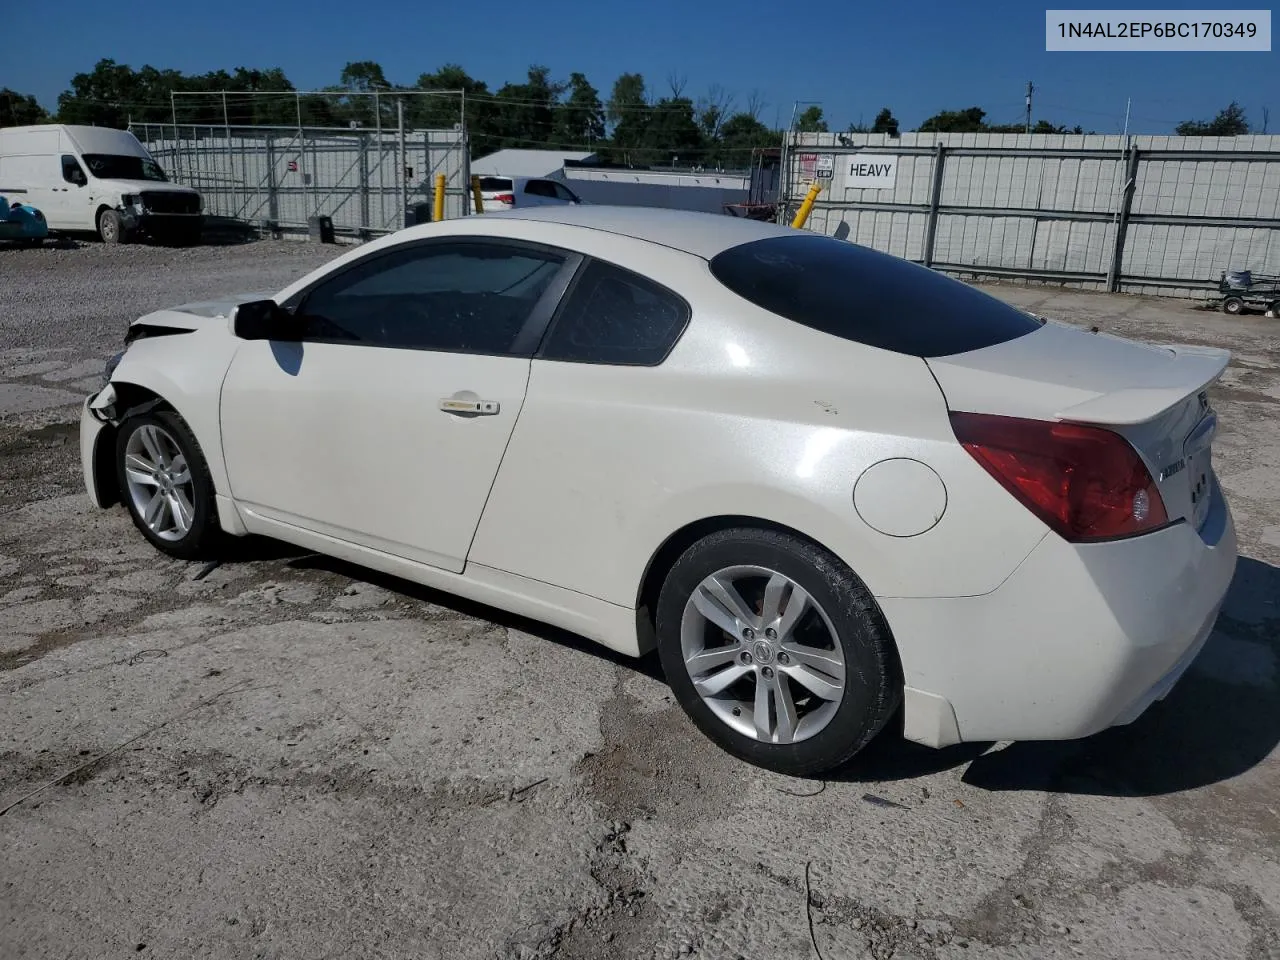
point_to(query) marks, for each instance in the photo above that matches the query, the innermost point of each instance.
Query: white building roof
(525, 163)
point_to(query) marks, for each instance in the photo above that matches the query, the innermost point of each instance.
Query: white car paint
(499, 193)
(33, 165)
(555, 507)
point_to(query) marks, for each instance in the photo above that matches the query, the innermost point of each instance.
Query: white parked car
(508, 193)
(95, 179)
(824, 482)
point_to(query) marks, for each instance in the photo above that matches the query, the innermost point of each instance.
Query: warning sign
(826, 166)
(808, 163)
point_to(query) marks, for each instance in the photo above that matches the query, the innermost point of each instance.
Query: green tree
(362, 77)
(741, 134)
(19, 110)
(113, 93)
(672, 134)
(1230, 122)
(526, 111)
(970, 120)
(811, 120)
(885, 122)
(628, 112)
(452, 90)
(580, 118)
(1044, 126)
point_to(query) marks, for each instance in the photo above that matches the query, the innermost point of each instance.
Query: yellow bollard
(438, 213)
(475, 190)
(806, 208)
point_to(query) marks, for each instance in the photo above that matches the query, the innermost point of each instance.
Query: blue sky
(915, 57)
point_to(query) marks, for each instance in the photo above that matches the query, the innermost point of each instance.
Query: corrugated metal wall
(705, 193)
(1053, 207)
(284, 175)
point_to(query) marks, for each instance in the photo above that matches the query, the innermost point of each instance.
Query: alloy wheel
(159, 481)
(762, 654)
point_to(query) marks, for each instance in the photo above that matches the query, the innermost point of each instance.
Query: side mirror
(265, 320)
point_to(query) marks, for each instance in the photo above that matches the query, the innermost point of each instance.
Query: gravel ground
(284, 756)
(82, 296)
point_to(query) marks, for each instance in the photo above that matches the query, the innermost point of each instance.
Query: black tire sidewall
(110, 216)
(872, 687)
(1233, 305)
(204, 526)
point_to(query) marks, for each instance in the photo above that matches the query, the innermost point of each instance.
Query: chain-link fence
(368, 181)
(1163, 215)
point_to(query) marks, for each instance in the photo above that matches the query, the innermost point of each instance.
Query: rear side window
(614, 316)
(563, 192)
(868, 297)
(540, 188)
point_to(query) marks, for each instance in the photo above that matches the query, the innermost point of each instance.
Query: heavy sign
(870, 171)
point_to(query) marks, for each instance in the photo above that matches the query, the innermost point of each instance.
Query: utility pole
(404, 170)
(1029, 89)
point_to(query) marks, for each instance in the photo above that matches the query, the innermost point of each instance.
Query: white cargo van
(96, 179)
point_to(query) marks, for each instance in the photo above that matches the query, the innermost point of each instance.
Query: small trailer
(1243, 289)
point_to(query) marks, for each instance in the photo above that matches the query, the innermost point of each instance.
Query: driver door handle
(473, 407)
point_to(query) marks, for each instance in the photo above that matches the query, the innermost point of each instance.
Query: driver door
(386, 424)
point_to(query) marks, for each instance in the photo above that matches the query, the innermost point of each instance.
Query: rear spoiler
(1195, 369)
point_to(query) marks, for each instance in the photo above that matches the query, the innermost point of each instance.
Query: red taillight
(1086, 483)
(505, 198)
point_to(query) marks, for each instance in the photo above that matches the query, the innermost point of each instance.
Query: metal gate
(368, 182)
(1145, 215)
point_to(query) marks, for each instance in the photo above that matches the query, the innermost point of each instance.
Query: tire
(840, 622)
(111, 227)
(1233, 305)
(194, 535)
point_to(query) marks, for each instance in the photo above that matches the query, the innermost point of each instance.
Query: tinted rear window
(868, 297)
(495, 183)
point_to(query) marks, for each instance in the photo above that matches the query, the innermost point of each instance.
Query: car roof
(701, 234)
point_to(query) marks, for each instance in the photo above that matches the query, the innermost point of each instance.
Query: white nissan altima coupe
(824, 482)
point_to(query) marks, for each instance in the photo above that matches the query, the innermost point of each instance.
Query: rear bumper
(1078, 639)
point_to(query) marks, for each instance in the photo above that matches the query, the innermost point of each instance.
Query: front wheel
(1233, 305)
(111, 227)
(776, 650)
(166, 484)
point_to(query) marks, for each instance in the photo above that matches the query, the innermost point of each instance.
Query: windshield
(859, 294)
(110, 166)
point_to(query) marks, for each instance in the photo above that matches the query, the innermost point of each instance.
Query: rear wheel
(166, 485)
(776, 650)
(1233, 305)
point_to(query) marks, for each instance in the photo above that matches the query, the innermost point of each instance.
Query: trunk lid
(1154, 396)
